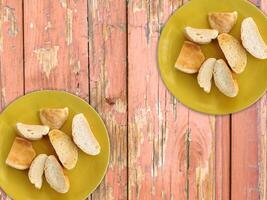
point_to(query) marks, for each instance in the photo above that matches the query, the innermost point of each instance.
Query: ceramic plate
(89, 171)
(252, 82)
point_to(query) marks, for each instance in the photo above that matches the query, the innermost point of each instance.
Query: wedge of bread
(37, 170)
(190, 58)
(252, 40)
(66, 150)
(205, 74)
(54, 117)
(200, 36)
(55, 176)
(83, 135)
(222, 21)
(224, 80)
(21, 154)
(234, 52)
(32, 132)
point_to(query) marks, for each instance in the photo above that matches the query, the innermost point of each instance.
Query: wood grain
(11, 54)
(56, 46)
(108, 87)
(171, 149)
(11, 51)
(249, 164)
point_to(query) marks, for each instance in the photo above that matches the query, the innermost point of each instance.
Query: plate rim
(163, 29)
(76, 97)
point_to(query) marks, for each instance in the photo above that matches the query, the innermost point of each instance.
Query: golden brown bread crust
(54, 117)
(190, 58)
(65, 148)
(222, 21)
(233, 51)
(21, 154)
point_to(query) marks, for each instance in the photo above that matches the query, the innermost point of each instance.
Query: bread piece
(222, 21)
(200, 36)
(252, 40)
(54, 117)
(234, 52)
(66, 150)
(55, 176)
(37, 170)
(190, 59)
(32, 132)
(21, 154)
(205, 74)
(83, 135)
(224, 80)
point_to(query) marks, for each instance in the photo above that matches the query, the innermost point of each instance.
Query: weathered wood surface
(249, 148)
(105, 52)
(108, 89)
(171, 149)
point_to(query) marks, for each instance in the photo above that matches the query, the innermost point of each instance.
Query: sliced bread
(83, 135)
(190, 58)
(234, 53)
(200, 36)
(224, 80)
(252, 40)
(37, 170)
(54, 117)
(32, 132)
(55, 176)
(21, 154)
(205, 74)
(66, 150)
(222, 21)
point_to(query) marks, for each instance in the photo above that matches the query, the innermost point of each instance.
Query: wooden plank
(249, 141)
(171, 149)
(249, 153)
(108, 64)
(222, 157)
(11, 54)
(11, 51)
(56, 46)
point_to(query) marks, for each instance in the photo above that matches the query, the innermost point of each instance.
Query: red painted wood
(11, 51)
(11, 54)
(56, 47)
(249, 143)
(222, 159)
(108, 89)
(164, 136)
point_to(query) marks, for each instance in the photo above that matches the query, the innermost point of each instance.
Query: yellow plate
(252, 83)
(89, 171)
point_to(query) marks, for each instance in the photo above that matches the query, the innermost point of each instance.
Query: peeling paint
(201, 178)
(69, 19)
(76, 65)
(3, 92)
(140, 6)
(47, 58)
(1, 28)
(9, 16)
(48, 26)
(136, 182)
(106, 32)
(31, 25)
(63, 3)
(120, 106)
(140, 118)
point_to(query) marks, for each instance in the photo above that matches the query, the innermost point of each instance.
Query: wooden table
(105, 52)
